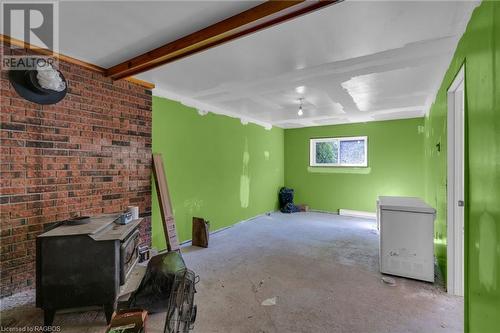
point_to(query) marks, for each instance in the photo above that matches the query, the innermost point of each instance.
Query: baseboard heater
(357, 213)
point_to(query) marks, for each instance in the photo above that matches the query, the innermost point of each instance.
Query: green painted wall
(219, 169)
(216, 168)
(479, 48)
(395, 165)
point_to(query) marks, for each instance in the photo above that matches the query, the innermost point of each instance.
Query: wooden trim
(142, 83)
(28, 47)
(166, 211)
(247, 22)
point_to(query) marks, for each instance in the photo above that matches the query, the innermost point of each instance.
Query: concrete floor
(321, 270)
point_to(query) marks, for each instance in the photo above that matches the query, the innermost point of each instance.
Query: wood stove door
(128, 255)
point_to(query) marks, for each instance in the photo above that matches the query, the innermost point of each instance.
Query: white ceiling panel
(354, 61)
(106, 33)
(357, 61)
(391, 89)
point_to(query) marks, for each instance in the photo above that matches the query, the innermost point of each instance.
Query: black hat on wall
(27, 85)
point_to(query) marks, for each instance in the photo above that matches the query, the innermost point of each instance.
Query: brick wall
(86, 155)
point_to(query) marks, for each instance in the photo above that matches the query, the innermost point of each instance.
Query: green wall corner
(216, 167)
(395, 165)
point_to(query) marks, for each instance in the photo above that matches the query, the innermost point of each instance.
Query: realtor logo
(35, 24)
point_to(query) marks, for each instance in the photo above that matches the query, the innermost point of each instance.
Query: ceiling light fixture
(300, 89)
(300, 113)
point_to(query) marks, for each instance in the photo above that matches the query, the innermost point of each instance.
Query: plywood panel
(165, 203)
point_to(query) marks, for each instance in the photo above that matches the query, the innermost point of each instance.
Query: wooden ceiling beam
(247, 22)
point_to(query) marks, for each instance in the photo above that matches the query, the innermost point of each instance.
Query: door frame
(455, 248)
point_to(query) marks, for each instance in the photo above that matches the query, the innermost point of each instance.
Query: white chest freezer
(406, 237)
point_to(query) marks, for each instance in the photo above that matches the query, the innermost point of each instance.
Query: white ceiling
(106, 33)
(357, 61)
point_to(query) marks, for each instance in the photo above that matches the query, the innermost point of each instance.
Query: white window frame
(312, 151)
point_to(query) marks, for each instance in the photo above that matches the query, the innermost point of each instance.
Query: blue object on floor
(286, 201)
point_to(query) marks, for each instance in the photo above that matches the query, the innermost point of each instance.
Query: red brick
(89, 154)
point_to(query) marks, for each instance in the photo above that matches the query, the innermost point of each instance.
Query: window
(345, 151)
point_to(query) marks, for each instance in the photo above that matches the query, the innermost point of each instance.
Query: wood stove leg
(109, 308)
(48, 316)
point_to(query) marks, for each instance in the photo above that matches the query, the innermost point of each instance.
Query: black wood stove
(84, 265)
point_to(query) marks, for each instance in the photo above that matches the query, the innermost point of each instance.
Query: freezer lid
(405, 204)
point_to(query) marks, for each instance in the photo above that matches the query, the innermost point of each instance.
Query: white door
(455, 186)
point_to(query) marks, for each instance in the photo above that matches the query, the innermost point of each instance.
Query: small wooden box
(128, 321)
(304, 208)
(200, 232)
